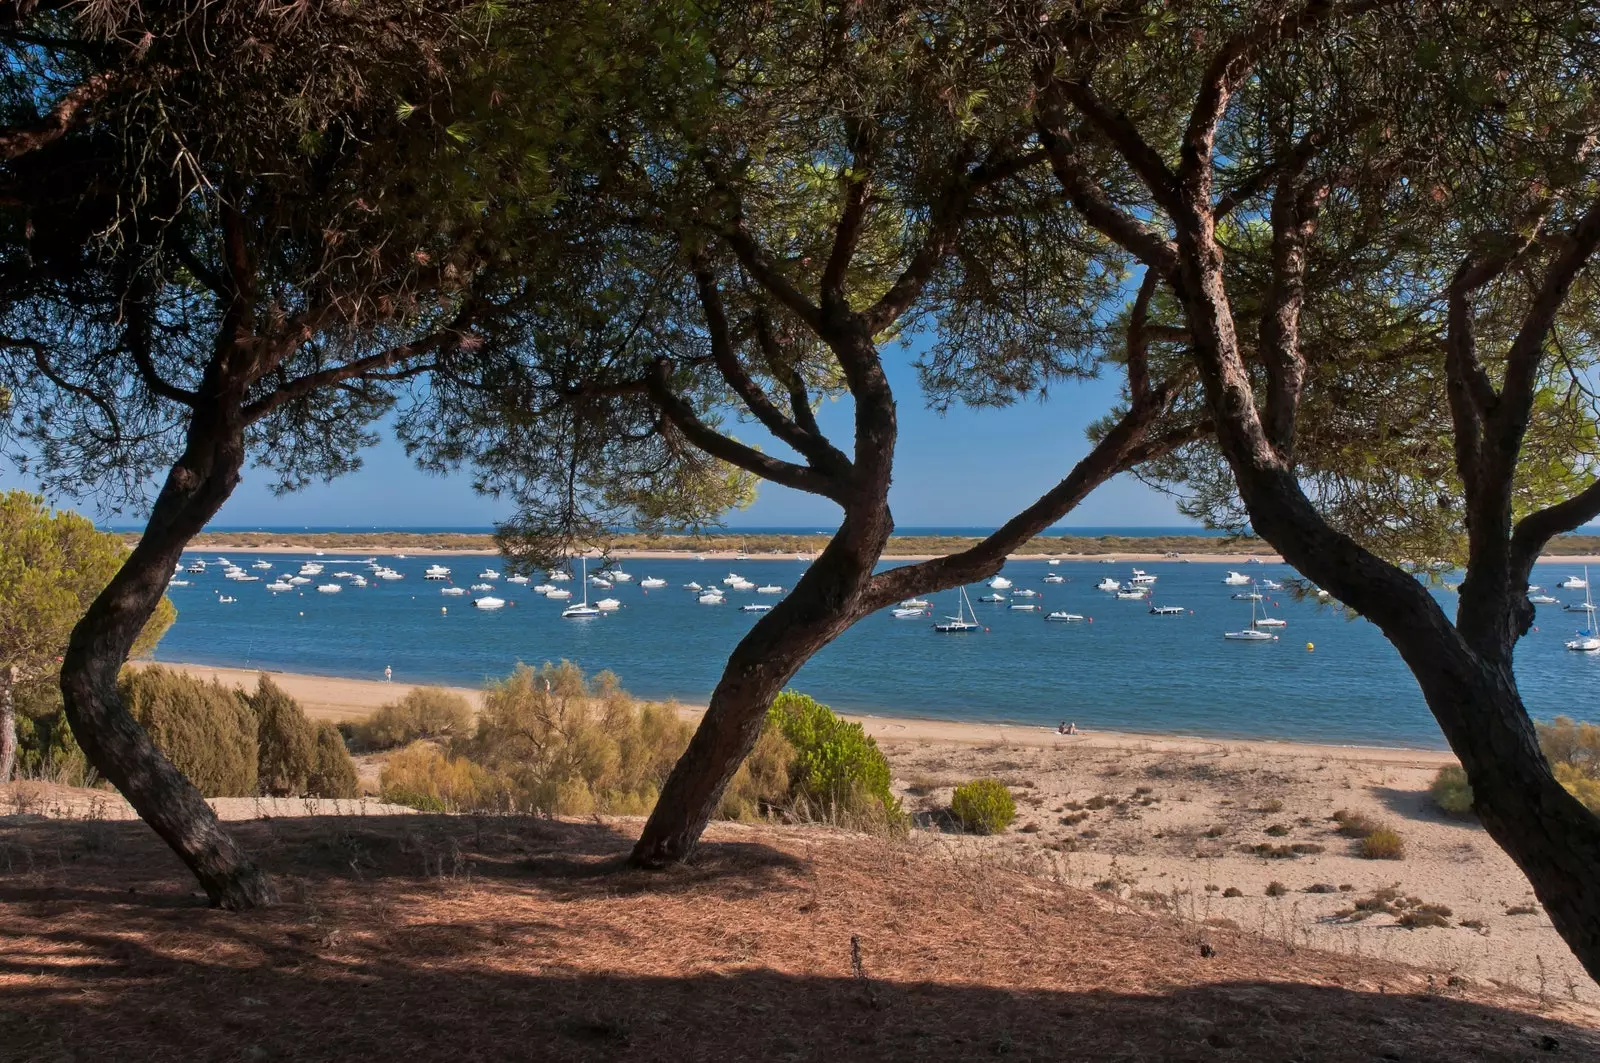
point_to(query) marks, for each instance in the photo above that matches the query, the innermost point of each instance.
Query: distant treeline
(756, 545)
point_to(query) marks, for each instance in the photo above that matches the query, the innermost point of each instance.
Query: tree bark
(829, 598)
(8, 723)
(115, 744)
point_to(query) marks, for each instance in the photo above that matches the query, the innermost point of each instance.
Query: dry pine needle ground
(442, 938)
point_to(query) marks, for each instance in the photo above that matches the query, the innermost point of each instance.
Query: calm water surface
(1125, 670)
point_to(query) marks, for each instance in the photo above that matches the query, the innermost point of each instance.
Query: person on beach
(388, 674)
(1067, 728)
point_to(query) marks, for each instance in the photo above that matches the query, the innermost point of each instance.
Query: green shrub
(205, 729)
(838, 770)
(423, 713)
(1355, 824)
(983, 806)
(425, 777)
(1451, 791)
(46, 748)
(1573, 750)
(564, 745)
(333, 773)
(1579, 785)
(285, 740)
(1382, 844)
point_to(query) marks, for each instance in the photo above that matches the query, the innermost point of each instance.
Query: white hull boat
(999, 583)
(1133, 595)
(1573, 583)
(453, 592)
(1027, 592)
(692, 586)
(559, 594)
(608, 605)
(756, 607)
(1253, 633)
(299, 581)
(227, 599)
(329, 588)
(711, 599)
(958, 624)
(1065, 618)
(1235, 579)
(489, 601)
(993, 598)
(1166, 610)
(481, 587)
(1108, 584)
(1588, 640)
(278, 586)
(1025, 607)
(1053, 578)
(185, 583)
(651, 583)
(1541, 599)
(916, 603)
(909, 613)
(488, 573)
(771, 588)
(1247, 596)
(580, 610)
(518, 580)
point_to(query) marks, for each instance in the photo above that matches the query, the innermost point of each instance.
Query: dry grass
(442, 938)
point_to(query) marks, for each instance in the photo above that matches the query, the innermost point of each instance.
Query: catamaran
(1588, 641)
(959, 623)
(1253, 633)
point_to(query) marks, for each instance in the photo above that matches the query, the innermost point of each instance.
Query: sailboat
(581, 610)
(1251, 633)
(1587, 640)
(959, 623)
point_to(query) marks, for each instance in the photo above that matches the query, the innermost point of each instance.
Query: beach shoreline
(342, 698)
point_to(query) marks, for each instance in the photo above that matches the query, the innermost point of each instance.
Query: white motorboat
(1541, 599)
(489, 601)
(1025, 607)
(557, 575)
(1066, 618)
(299, 581)
(756, 607)
(1253, 633)
(652, 582)
(999, 583)
(743, 585)
(906, 612)
(1053, 561)
(712, 597)
(1054, 578)
(559, 594)
(580, 610)
(358, 581)
(479, 588)
(620, 576)
(196, 569)
(1027, 592)
(329, 588)
(310, 568)
(388, 574)
(178, 583)
(733, 577)
(278, 586)
(1272, 621)
(1574, 583)
(693, 586)
(453, 592)
(544, 588)
(1166, 610)
(436, 574)
(343, 575)
(600, 584)
(1235, 579)
(1136, 594)
(1270, 585)
(227, 599)
(1108, 584)
(916, 603)
(1252, 561)
(245, 578)
(992, 598)
(262, 564)
(607, 605)
(959, 623)
(518, 580)
(770, 588)
(488, 573)
(1588, 640)
(1140, 576)
(1247, 596)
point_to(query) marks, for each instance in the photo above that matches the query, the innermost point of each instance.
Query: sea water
(1122, 669)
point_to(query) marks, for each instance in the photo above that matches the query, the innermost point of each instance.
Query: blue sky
(964, 468)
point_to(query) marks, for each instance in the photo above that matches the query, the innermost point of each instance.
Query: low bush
(423, 713)
(46, 748)
(205, 729)
(763, 782)
(1573, 750)
(1355, 824)
(333, 773)
(1382, 844)
(425, 777)
(1276, 889)
(1233, 891)
(286, 743)
(983, 806)
(839, 774)
(1451, 791)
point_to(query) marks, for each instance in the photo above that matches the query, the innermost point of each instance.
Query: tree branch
(752, 394)
(847, 232)
(1294, 220)
(754, 258)
(68, 113)
(1117, 128)
(677, 410)
(1536, 529)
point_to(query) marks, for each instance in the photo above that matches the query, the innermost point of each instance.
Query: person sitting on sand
(1072, 729)
(1061, 728)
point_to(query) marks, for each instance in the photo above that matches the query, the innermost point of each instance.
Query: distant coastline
(1208, 547)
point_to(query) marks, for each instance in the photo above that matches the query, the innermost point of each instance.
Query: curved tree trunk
(113, 741)
(8, 723)
(824, 603)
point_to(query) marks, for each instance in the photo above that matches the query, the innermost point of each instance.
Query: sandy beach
(1177, 824)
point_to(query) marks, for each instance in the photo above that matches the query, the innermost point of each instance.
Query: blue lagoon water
(1125, 670)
